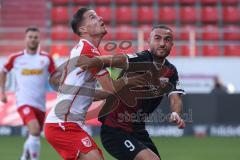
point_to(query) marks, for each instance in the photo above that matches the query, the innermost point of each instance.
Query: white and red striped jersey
(31, 73)
(74, 100)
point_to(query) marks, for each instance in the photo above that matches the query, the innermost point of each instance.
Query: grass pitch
(184, 148)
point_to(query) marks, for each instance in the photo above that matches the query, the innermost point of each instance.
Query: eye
(93, 17)
(168, 39)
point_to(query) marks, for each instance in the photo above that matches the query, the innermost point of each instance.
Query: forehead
(88, 13)
(32, 33)
(161, 32)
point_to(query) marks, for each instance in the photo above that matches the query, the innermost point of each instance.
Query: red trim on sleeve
(9, 64)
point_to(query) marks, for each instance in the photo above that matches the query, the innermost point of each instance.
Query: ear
(82, 29)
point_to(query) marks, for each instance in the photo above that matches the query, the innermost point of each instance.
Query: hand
(86, 63)
(4, 98)
(175, 118)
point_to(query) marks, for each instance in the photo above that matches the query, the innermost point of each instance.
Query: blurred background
(206, 54)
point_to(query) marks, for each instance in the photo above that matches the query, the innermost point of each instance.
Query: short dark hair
(32, 28)
(162, 27)
(77, 19)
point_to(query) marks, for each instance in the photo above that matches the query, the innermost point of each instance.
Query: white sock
(25, 150)
(34, 147)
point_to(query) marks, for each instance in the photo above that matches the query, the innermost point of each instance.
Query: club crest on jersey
(86, 142)
(26, 111)
(94, 50)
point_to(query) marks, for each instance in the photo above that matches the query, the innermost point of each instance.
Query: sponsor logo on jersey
(86, 142)
(32, 72)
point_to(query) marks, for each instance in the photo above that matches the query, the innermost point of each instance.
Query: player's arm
(3, 79)
(175, 98)
(111, 86)
(130, 63)
(176, 108)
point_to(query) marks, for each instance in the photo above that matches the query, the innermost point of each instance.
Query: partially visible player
(63, 125)
(31, 68)
(123, 132)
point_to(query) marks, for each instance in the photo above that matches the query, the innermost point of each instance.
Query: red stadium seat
(173, 52)
(209, 14)
(83, 2)
(231, 33)
(125, 2)
(60, 49)
(166, 1)
(59, 2)
(102, 1)
(145, 14)
(105, 13)
(188, 14)
(231, 14)
(146, 31)
(211, 50)
(185, 32)
(60, 32)
(125, 32)
(188, 2)
(230, 1)
(209, 2)
(110, 34)
(124, 14)
(167, 14)
(232, 50)
(185, 50)
(60, 14)
(210, 32)
(127, 50)
(145, 2)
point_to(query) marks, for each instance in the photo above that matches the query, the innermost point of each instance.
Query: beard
(33, 48)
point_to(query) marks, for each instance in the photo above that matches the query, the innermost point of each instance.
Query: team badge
(86, 142)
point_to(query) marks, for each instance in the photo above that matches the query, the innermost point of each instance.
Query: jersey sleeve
(174, 80)
(51, 67)
(139, 61)
(9, 64)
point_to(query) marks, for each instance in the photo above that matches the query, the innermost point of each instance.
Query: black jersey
(133, 118)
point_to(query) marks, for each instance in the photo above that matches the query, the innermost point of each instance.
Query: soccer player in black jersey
(127, 138)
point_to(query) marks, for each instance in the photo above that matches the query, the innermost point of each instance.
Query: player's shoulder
(84, 47)
(16, 54)
(13, 56)
(45, 54)
(141, 56)
(169, 64)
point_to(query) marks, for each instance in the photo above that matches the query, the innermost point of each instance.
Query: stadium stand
(211, 22)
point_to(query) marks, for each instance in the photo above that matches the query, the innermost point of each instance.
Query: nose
(162, 43)
(100, 18)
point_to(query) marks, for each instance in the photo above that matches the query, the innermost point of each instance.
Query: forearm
(101, 95)
(176, 104)
(118, 61)
(3, 78)
(176, 107)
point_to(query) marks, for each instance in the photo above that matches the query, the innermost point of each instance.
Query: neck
(94, 40)
(32, 52)
(157, 59)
